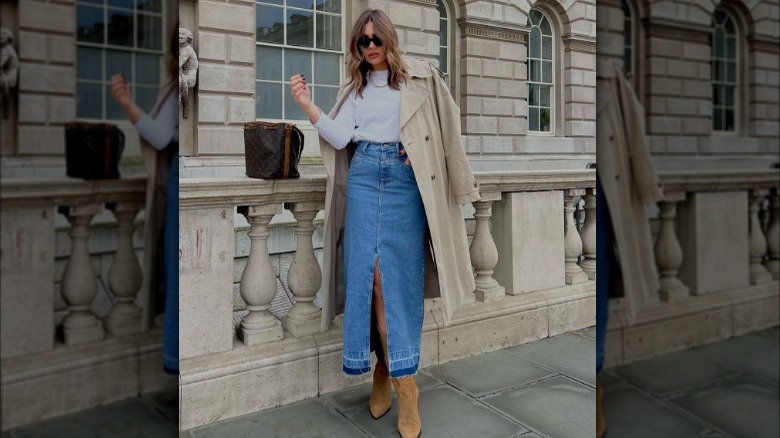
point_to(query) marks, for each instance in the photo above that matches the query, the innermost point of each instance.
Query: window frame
(737, 89)
(132, 50)
(554, 84)
(285, 82)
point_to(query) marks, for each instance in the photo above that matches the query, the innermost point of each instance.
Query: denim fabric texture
(604, 258)
(171, 270)
(385, 223)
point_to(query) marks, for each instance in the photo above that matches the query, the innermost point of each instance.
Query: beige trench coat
(629, 180)
(430, 133)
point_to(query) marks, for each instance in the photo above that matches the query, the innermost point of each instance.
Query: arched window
(444, 40)
(297, 36)
(628, 41)
(724, 73)
(541, 93)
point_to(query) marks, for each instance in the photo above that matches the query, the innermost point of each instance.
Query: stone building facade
(245, 57)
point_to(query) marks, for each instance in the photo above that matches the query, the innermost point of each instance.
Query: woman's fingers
(403, 152)
(408, 161)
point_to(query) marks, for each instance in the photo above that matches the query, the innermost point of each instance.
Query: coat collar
(414, 92)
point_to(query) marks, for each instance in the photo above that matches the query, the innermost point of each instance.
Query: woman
(393, 129)
(159, 132)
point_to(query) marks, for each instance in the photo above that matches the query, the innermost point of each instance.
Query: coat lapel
(413, 95)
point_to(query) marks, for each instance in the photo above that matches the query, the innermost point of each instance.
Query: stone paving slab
(444, 412)
(568, 354)
(306, 419)
(753, 354)
(497, 371)
(556, 407)
(666, 375)
(742, 407)
(132, 418)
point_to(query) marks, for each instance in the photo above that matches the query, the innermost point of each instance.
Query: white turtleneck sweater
(374, 117)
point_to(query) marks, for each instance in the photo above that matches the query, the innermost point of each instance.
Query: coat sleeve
(646, 181)
(463, 185)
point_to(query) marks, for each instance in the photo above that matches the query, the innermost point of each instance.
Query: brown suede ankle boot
(380, 400)
(408, 411)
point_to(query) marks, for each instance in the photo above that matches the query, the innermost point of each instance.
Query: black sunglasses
(366, 41)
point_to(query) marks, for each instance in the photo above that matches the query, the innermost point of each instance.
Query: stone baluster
(258, 281)
(588, 235)
(483, 252)
(572, 242)
(773, 235)
(124, 276)
(79, 282)
(758, 273)
(668, 252)
(304, 276)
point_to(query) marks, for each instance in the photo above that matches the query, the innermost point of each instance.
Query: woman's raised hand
(300, 91)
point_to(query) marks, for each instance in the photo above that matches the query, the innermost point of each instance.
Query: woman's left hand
(403, 152)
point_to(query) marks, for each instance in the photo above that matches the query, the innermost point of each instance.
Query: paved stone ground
(542, 389)
(725, 389)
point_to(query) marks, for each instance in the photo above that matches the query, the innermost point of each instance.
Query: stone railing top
(201, 192)
(704, 181)
(70, 191)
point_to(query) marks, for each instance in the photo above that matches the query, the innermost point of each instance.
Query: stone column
(79, 282)
(588, 235)
(258, 282)
(571, 239)
(304, 276)
(668, 252)
(124, 276)
(483, 252)
(773, 235)
(758, 273)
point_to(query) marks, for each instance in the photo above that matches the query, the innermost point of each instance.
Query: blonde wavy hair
(358, 67)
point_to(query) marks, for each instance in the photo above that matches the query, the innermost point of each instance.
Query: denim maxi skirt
(385, 223)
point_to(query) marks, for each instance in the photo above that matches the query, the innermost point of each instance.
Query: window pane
(533, 119)
(441, 8)
(534, 71)
(120, 28)
(119, 61)
(719, 42)
(113, 110)
(297, 62)
(149, 5)
(728, 120)
(533, 94)
(145, 97)
(443, 61)
(329, 6)
(627, 35)
(149, 32)
(99, 2)
(544, 95)
(731, 71)
(303, 4)
(728, 95)
(89, 101)
(147, 69)
(729, 25)
(546, 47)
(544, 25)
(291, 109)
(270, 24)
(325, 97)
(443, 35)
(269, 99)
(90, 24)
(90, 63)
(547, 71)
(327, 69)
(121, 3)
(627, 67)
(328, 32)
(717, 97)
(731, 47)
(544, 120)
(535, 16)
(269, 64)
(273, 2)
(718, 73)
(535, 43)
(299, 28)
(717, 119)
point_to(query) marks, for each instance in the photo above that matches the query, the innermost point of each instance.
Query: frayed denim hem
(355, 371)
(404, 372)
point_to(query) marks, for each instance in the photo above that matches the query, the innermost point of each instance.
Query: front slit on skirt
(385, 224)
